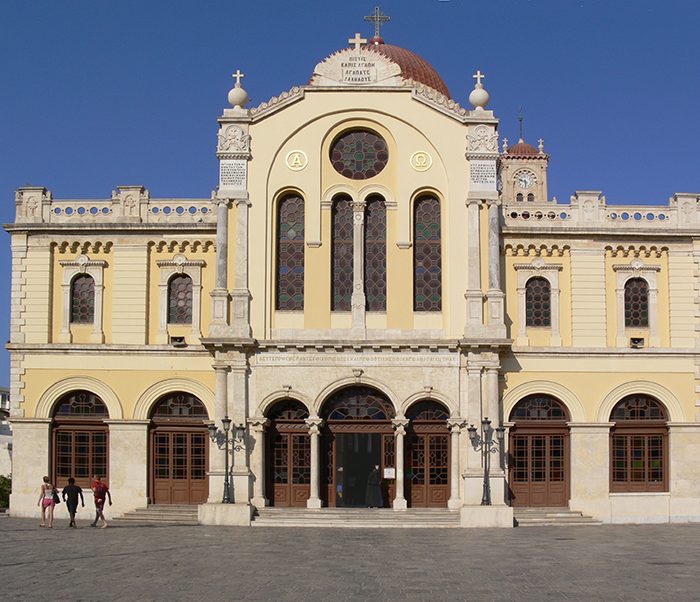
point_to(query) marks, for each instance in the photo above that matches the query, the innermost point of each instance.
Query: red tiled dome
(412, 66)
(522, 149)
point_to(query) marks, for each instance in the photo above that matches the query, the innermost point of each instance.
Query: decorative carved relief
(233, 139)
(484, 140)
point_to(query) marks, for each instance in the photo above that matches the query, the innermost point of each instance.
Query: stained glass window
(288, 409)
(81, 403)
(427, 410)
(179, 405)
(290, 253)
(375, 254)
(358, 403)
(636, 303)
(359, 154)
(341, 254)
(427, 255)
(82, 300)
(638, 445)
(539, 407)
(538, 309)
(180, 299)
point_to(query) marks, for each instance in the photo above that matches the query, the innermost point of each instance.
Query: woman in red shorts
(46, 501)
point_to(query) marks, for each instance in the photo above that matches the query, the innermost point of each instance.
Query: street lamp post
(227, 439)
(487, 446)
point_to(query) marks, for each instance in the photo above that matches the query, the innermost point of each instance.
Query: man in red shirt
(101, 492)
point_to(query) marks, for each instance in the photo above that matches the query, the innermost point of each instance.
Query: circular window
(359, 154)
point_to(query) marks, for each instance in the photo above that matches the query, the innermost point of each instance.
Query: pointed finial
(520, 120)
(505, 145)
(479, 97)
(357, 41)
(237, 96)
(540, 143)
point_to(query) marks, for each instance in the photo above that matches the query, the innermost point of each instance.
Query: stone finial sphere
(479, 97)
(237, 96)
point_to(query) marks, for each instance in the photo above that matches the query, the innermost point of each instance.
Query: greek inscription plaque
(482, 175)
(232, 174)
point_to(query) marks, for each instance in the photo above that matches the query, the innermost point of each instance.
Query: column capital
(400, 425)
(456, 424)
(221, 367)
(358, 206)
(243, 200)
(258, 423)
(221, 202)
(493, 202)
(314, 425)
(470, 202)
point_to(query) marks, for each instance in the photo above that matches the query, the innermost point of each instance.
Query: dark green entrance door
(355, 456)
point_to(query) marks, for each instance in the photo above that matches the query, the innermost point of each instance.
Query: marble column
(400, 425)
(455, 425)
(314, 500)
(219, 319)
(241, 294)
(257, 426)
(241, 481)
(474, 319)
(358, 302)
(492, 405)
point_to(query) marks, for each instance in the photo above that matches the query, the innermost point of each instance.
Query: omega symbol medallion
(421, 161)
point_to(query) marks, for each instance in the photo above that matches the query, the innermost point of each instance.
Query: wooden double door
(427, 464)
(179, 464)
(539, 466)
(289, 465)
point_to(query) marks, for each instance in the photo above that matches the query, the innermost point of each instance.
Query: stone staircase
(551, 517)
(359, 518)
(161, 514)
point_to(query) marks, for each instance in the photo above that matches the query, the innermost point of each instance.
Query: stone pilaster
(219, 324)
(495, 297)
(399, 502)
(589, 445)
(241, 294)
(217, 457)
(455, 425)
(30, 462)
(314, 500)
(128, 464)
(238, 412)
(358, 302)
(474, 325)
(257, 426)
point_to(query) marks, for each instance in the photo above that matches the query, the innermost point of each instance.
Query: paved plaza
(134, 562)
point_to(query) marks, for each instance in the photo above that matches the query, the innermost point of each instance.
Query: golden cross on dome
(357, 40)
(377, 17)
(238, 75)
(478, 76)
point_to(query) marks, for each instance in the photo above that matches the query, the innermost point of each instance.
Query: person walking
(47, 499)
(373, 491)
(101, 492)
(70, 497)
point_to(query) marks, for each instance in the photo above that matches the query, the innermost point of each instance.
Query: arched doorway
(179, 450)
(358, 435)
(79, 439)
(427, 455)
(288, 454)
(539, 453)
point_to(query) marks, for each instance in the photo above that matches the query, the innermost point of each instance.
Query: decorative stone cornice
(636, 265)
(180, 262)
(539, 265)
(277, 102)
(82, 263)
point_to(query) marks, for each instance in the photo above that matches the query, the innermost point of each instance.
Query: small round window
(359, 154)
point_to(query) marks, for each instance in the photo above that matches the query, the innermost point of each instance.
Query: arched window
(539, 407)
(358, 403)
(82, 299)
(519, 197)
(538, 302)
(375, 254)
(341, 254)
(636, 303)
(180, 299)
(530, 198)
(179, 405)
(427, 255)
(79, 438)
(290, 253)
(638, 445)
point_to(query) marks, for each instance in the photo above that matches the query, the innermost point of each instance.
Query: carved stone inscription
(482, 175)
(322, 359)
(358, 70)
(232, 174)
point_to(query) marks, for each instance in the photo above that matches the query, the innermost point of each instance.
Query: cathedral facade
(375, 272)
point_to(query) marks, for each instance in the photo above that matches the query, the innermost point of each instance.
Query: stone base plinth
(486, 516)
(231, 515)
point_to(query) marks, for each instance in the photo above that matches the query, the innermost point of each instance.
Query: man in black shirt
(70, 497)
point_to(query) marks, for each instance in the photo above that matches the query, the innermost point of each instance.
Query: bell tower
(523, 172)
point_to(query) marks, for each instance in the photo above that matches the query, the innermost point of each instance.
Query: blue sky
(94, 94)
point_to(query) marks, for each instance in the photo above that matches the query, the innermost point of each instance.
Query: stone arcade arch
(357, 434)
(79, 439)
(539, 452)
(179, 450)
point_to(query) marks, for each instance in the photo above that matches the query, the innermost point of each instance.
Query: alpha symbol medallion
(296, 160)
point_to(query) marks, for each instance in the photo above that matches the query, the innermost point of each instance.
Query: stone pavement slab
(145, 562)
